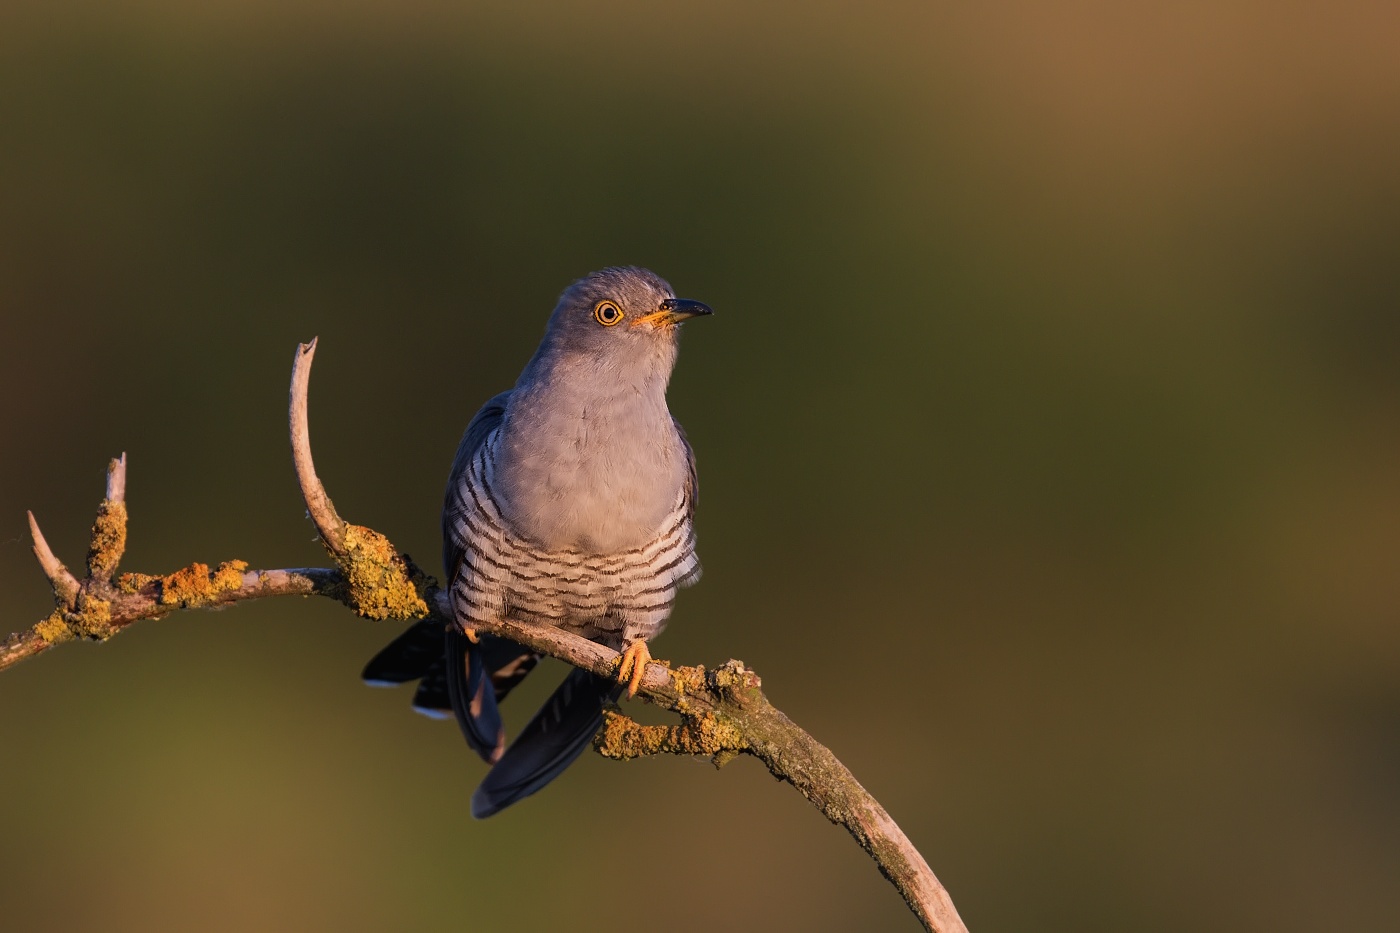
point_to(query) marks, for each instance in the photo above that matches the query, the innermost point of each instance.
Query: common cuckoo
(570, 503)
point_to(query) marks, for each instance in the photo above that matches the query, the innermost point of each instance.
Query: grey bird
(570, 503)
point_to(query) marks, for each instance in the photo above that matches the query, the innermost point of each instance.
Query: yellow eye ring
(607, 313)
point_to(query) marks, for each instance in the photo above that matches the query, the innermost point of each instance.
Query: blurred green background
(1049, 431)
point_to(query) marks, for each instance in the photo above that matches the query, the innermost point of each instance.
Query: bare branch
(116, 479)
(21, 645)
(65, 585)
(328, 523)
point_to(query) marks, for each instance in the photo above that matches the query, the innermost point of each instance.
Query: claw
(632, 666)
(471, 635)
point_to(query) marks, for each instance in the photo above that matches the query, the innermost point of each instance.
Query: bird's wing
(551, 741)
(482, 424)
(562, 728)
(450, 671)
(470, 691)
(692, 478)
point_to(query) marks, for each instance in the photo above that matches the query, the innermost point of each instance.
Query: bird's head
(621, 311)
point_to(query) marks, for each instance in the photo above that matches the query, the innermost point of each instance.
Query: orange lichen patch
(108, 539)
(622, 738)
(131, 583)
(381, 584)
(196, 585)
(54, 628)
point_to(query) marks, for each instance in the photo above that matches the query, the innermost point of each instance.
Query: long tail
(452, 678)
(551, 741)
(473, 698)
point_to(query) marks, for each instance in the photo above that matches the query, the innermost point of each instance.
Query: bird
(571, 503)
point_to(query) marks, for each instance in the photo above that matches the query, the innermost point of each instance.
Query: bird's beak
(673, 311)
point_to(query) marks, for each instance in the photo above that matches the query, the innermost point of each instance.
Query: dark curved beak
(676, 310)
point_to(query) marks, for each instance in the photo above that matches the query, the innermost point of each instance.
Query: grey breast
(611, 596)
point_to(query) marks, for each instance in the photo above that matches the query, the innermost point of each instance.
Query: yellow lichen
(723, 757)
(108, 539)
(688, 679)
(131, 583)
(196, 585)
(381, 583)
(53, 629)
(229, 576)
(737, 683)
(706, 734)
(91, 618)
(712, 735)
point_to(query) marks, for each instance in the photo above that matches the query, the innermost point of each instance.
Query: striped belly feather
(608, 597)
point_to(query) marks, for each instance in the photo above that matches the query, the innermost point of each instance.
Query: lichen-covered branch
(380, 583)
(136, 596)
(109, 528)
(723, 712)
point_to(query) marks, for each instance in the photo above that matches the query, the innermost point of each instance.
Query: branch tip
(108, 539)
(65, 585)
(116, 479)
(329, 524)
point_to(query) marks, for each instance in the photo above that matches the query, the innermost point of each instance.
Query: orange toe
(632, 666)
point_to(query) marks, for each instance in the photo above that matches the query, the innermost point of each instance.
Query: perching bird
(570, 503)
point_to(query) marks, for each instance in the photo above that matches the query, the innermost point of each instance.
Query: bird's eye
(607, 313)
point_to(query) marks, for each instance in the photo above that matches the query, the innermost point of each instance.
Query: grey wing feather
(692, 496)
(469, 688)
(483, 423)
(692, 479)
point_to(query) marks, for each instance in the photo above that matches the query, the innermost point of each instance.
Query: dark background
(1049, 430)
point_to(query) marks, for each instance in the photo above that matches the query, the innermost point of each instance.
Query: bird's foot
(471, 635)
(633, 665)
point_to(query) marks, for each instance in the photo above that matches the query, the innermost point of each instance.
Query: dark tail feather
(548, 744)
(432, 697)
(473, 698)
(507, 662)
(407, 657)
(418, 654)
